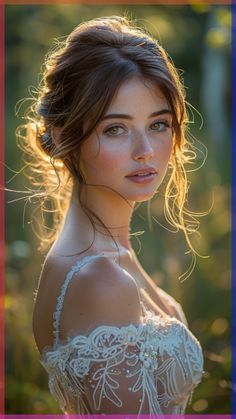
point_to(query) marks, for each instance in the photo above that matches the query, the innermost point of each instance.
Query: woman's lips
(142, 177)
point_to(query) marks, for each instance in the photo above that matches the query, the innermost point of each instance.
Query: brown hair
(78, 84)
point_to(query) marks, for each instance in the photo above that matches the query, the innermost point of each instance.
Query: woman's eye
(160, 125)
(114, 130)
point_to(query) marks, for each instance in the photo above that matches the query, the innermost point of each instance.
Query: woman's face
(131, 147)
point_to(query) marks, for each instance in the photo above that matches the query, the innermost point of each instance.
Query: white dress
(146, 368)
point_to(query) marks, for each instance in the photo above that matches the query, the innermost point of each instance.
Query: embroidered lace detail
(159, 361)
(154, 365)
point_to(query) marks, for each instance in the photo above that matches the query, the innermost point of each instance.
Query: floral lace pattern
(158, 361)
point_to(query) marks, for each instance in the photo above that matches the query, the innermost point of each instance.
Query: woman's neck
(113, 211)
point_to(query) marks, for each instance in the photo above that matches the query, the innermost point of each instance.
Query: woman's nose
(143, 149)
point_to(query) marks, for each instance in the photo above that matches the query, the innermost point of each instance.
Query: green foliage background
(194, 36)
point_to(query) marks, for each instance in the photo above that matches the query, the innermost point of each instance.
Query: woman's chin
(141, 197)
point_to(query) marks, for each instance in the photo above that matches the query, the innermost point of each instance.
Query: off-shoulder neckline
(63, 344)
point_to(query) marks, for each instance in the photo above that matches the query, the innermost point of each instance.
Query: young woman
(110, 119)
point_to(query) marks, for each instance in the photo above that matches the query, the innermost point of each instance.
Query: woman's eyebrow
(161, 112)
(124, 116)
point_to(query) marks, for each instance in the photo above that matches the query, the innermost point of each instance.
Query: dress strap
(60, 300)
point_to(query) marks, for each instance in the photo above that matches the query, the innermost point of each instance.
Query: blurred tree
(216, 72)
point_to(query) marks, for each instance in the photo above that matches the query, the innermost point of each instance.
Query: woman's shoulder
(98, 291)
(93, 269)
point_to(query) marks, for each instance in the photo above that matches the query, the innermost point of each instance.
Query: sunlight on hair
(64, 98)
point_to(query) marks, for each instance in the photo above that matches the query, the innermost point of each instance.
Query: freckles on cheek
(108, 161)
(164, 152)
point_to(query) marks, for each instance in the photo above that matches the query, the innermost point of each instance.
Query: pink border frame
(1, 207)
(2, 218)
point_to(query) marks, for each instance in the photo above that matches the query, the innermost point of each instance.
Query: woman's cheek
(166, 148)
(109, 162)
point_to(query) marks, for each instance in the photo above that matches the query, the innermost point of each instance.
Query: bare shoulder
(101, 293)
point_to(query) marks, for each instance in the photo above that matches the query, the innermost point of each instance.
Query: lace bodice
(146, 368)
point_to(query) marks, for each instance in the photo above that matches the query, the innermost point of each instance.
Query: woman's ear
(56, 135)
